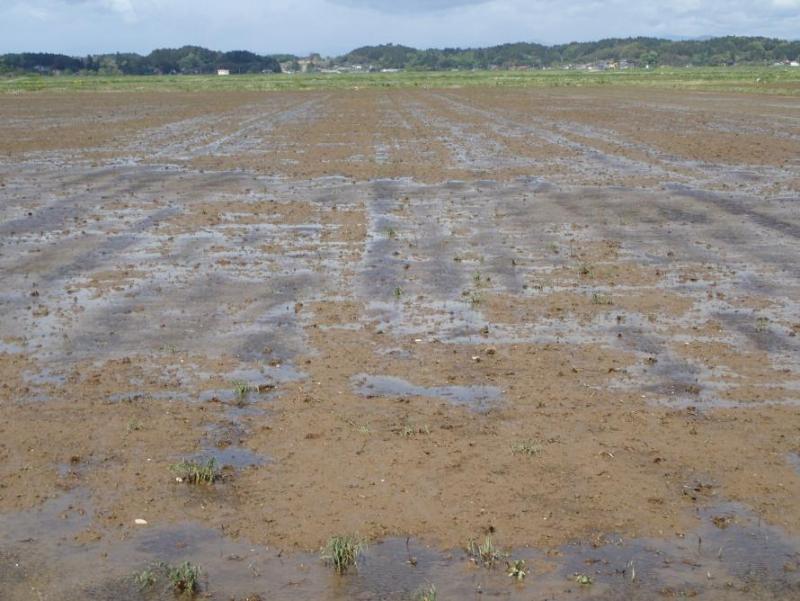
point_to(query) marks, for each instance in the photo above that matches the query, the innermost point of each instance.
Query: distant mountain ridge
(638, 51)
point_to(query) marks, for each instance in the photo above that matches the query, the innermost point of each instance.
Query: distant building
(223, 71)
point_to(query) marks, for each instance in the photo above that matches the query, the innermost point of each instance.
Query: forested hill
(188, 60)
(637, 51)
(633, 51)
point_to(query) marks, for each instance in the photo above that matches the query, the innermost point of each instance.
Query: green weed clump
(197, 472)
(242, 389)
(485, 553)
(516, 569)
(183, 578)
(342, 552)
(144, 579)
(427, 593)
(601, 299)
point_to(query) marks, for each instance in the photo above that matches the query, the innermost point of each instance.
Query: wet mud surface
(568, 320)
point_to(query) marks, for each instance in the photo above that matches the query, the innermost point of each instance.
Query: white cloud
(409, 6)
(123, 7)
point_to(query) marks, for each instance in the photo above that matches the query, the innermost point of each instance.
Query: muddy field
(567, 320)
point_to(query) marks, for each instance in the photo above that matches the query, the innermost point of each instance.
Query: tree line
(641, 51)
(164, 61)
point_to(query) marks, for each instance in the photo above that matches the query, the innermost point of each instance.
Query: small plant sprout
(242, 389)
(391, 233)
(601, 299)
(184, 578)
(196, 472)
(585, 269)
(407, 430)
(762, 324)
(527, 447)
(583, 579)
(134, 426)
(632, 570)
(516, 569)
(398, 292)
(426, 593)
(144, 579)
(484, 553)
(342, 552)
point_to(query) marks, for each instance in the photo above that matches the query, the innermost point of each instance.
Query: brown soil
(619, 265)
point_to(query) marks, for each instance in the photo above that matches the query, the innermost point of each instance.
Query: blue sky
(81, 27)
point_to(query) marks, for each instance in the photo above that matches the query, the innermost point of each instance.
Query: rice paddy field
(401, 336)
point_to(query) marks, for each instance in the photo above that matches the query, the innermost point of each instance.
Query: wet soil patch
(477, 398)
(535, 313)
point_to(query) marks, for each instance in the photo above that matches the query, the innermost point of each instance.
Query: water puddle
(730, 555)
(223, 443)
(234, 457)
(10, 348)
(477, 398)
(794, 461)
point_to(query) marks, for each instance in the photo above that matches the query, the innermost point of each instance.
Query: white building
(223, 71)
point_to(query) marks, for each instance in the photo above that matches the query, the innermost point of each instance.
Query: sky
(333, 27)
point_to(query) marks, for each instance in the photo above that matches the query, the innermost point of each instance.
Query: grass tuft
(242, 389)
(342, 552)
(484, 553)
(183, 578)
(197, 472)
(427, 593)
(145, 579)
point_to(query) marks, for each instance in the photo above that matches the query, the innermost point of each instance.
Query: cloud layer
(408, 6)
(335, 26)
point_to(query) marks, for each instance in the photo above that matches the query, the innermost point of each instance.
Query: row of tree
(637, 51)
(186, 60)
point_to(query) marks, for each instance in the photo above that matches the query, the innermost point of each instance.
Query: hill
(186, 60)
(640, 51)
